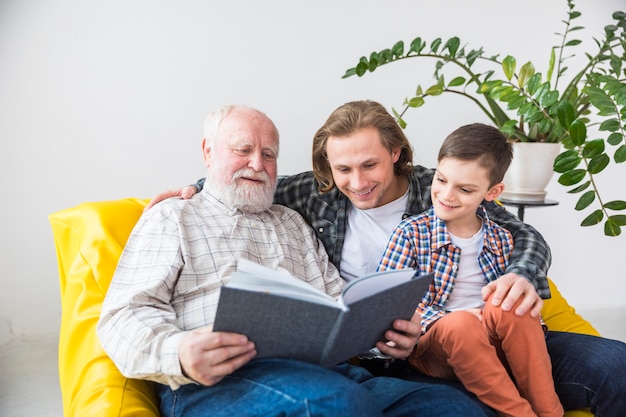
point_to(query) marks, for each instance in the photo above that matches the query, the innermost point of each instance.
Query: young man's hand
(508, 289)
(185, 193)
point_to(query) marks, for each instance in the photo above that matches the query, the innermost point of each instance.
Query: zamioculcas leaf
(565, 113)
(578, 132)
(598, 163)
(593, 218)
(456, 82)
(572, 177)
(435, 90)
(585, 200)
(620, 154)
(611, 228)
(398, 49)
(415, 102)
(527, 71)
(619, 219)
(580, 188)
(593, 148)
(615, 205)
(417, 45)
(566, 161)
(508, 66)
(452, 45)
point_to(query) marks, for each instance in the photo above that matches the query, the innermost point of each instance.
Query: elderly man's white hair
(213, 120)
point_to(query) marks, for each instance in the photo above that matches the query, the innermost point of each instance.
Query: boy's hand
(403, 339)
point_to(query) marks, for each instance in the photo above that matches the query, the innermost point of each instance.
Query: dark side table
(521, 205)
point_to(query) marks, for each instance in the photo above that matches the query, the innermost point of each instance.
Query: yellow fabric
(89, 240)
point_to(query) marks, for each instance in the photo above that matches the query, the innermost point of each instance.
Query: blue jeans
(281, 387)
(589, 371)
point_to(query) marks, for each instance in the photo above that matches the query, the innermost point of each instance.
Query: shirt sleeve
(531, 257)
(138, 327)
(199, 184)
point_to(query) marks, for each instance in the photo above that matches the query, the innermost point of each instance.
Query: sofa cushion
(89, 240)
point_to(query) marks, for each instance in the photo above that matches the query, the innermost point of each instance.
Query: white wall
(105, 99)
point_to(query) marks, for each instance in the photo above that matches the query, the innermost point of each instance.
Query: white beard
(249, 198)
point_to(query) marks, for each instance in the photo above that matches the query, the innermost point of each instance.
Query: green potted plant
(585, 115)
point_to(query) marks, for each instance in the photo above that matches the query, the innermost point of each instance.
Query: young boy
(500, 357)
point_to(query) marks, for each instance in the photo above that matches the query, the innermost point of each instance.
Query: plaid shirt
(177, 258)
(423, 243)
(327, 214)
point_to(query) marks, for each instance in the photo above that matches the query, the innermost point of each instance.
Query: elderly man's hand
(207, 357)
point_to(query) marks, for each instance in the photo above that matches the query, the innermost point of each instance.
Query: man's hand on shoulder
(207, 357)
(509, 289)
(185, 193)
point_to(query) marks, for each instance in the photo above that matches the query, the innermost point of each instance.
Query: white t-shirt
(470, 278)
(367, 234)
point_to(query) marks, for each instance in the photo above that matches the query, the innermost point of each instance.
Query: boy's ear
(494, 191)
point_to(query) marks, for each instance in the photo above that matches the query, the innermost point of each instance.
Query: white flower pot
(530, 171)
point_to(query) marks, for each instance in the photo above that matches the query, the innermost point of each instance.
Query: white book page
(374, 283)
(254, 277)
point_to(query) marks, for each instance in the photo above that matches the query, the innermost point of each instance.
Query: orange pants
(502, 359)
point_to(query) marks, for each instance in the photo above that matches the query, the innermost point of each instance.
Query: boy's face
(458, 188)
(363, 169)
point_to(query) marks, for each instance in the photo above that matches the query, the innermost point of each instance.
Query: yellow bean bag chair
(89, 239)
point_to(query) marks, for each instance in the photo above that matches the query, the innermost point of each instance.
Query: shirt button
(321, 230)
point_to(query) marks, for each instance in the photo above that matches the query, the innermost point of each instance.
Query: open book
(286, 317)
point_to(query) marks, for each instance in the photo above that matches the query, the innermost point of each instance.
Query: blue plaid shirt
(327, 214)
(423, 243)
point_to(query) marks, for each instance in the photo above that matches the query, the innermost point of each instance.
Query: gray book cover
(284, 326)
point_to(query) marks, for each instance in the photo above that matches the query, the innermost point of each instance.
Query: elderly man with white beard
(156, 320)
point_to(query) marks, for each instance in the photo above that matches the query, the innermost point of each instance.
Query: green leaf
(434, 46)
(585, 200)
(572, 177)
(508, 66)
(594, 218)
(619, 219)
(416, 102)
(456, 82)
(615, 205)
(598, 163)
(615, 138)
(533, 83)
(417, 45)
(578, 132)
(349, 73)
(593, 148)
(398, 49)
(435, 90)
(452, 45)
(566, 161)
(580, 188)
(361, 68)
(620, 154)
(565, 114)
(398, 117)
(527, 71)
(611, 125)
(611, 228)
